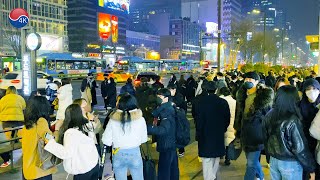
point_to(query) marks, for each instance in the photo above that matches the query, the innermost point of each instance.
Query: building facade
(97, 22)
(231, 14)
(142, 11)
(138, 39)
(49, 19)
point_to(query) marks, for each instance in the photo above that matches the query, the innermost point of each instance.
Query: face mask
(109, 81)
(48, 81)
(248, 85)
(159, 101)
(312, 95)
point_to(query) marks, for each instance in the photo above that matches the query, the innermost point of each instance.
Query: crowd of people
(276, 115)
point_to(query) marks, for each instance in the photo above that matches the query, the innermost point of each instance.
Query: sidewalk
(190, 167)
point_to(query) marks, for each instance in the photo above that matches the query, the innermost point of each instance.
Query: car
(120, 76)
(14, 78)
(148, 75)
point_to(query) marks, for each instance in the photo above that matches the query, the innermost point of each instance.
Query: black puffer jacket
(166, 131)
(285, 140)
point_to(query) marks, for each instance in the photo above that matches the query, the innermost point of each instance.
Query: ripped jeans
(285, 170)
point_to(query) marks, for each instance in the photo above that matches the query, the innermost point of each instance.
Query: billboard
(108, 26)
(212, 28)
(119, 5)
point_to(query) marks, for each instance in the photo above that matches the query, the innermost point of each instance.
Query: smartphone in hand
(48, 136)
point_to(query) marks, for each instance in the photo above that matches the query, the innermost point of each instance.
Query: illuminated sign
(108, 26)
(26, 74)
(119, 5)
(212, 28)
(94, 54)
(33, 41)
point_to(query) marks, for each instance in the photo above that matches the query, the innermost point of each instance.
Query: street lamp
(255, 11)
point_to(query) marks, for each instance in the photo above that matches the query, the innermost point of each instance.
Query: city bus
(66, 63)
(132, 65)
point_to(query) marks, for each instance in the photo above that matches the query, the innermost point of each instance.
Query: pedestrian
(128, 88)
(36, 127)
(65, 99)
(284, 138)
(145, 95)
(179, 102)
(221, 81)
(157, 84)
(199, 87)
(6, 69)
(77, 150)
(90, 83)
(112, 93)
(125, 132)
(165, 133)
(254, 100)
(281, 82)
(173, 79)
(230, 134)
(12, 106)
(270, 79)
(182, 86)
(191, 86)
(104, 89)
(309, 108)
(51, 92)
(211, 125)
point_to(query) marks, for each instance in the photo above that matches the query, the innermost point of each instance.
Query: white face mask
(109, 81)
(312, 95)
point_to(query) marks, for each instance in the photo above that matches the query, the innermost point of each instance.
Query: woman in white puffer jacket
(230, 134)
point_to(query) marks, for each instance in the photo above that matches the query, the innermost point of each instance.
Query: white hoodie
(78, 152)
(65, 99)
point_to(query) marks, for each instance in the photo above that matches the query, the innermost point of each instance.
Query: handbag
(234, 150)
(46, 159)
(149, 166)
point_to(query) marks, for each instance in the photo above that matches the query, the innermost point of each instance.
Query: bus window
(85, 65)
(51, 65)
(69, 65)
(77, 65)
(93, 65)
(61, 65)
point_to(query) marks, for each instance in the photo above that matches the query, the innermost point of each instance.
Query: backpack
(182, 128)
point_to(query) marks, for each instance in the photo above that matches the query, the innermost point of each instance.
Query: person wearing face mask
(309, 108)
(254, 100)
(91, 83)
(165, 133)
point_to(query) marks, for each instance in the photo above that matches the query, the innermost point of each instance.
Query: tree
(12, 38)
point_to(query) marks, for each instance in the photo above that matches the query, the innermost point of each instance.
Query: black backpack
(182, 128)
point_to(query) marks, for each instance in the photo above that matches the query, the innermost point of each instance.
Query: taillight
(15, 81)
(0, 80)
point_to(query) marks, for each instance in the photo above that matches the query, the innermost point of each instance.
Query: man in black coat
(165, 132)
(104, 89)
(213, 118)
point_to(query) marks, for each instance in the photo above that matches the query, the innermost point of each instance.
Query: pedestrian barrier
(11, 144)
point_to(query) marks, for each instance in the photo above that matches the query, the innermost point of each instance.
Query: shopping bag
(149, 166)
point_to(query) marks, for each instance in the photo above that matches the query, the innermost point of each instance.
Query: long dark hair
(73, 119)
(286, 102)
(37, 107)
(126, 103)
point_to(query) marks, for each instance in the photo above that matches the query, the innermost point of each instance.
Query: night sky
(303, 14)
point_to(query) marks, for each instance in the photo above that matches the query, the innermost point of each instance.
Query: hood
(66, 87)
(52, 86)
(135, 115)
(311, 82)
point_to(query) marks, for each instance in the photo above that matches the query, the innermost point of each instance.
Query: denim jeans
(254, 168)
(128, 159)
(285, 170)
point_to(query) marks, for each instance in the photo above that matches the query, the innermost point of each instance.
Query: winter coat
(220, 83)
(199, 88)
(11, 108)
(270, 81)
(146, 101)
(213, 118)
(285, 140)
(165, 132)
(191, 86)
(109, 90)
(51, 91)
(128, 88)
(93, 86)
(249, 129)
(65, 99)
(230, 135)
(309, 112)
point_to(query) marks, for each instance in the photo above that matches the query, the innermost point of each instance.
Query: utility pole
(219, 36)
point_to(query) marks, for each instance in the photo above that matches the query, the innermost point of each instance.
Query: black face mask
(248, 85)
(159, 101)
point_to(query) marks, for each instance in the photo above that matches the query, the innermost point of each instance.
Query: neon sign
(108, 26)
(26, 74)
(120, 5)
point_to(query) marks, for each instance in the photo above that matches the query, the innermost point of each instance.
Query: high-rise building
(97, 21)
(48, 17)
(231, 14)
(200, 11)
(142, 10)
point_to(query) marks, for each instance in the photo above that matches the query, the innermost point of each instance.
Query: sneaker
(181, 154)
(5, 164)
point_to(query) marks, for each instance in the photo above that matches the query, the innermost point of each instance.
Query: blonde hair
(11, 90)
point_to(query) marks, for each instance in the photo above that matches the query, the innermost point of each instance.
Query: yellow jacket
(11, 108)
(30, 151)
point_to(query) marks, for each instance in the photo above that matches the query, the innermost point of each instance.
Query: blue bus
(66, 63)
